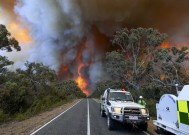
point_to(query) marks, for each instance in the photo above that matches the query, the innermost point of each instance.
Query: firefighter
(141, 101)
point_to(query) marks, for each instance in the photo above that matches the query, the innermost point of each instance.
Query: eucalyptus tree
(170, 66)
(134, 60)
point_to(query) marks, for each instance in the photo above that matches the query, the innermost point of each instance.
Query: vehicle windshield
(120, 96)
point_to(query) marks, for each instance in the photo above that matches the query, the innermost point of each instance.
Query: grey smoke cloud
(54, 26)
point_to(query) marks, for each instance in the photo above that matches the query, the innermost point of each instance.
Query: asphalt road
(83, 119)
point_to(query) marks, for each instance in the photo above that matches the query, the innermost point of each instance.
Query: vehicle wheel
(128, 126)
(102, 113)
(143, 127)
(110, 122)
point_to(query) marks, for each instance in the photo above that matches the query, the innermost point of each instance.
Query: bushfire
(72, 37)
(82, 82)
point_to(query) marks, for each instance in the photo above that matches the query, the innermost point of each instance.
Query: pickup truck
(118, 105)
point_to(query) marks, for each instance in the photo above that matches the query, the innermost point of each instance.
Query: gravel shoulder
(29, 125)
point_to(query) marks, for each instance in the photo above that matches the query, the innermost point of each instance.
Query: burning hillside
(71, 36)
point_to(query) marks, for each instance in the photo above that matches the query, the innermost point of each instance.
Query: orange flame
(80, 79)
(20, 33)
(165, 44)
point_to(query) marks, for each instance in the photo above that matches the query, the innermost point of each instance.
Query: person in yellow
(141, 101)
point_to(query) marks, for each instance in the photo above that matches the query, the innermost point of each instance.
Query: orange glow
(80, 79)
(82, 84)
(162, 76)
(63, 71)
(165, 44)
(19, 32)
(101, 41)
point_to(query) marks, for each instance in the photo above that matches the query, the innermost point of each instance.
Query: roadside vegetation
(29, 91)
(143, 66)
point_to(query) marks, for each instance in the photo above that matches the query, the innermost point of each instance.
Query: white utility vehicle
(173, 113)
(118, 105)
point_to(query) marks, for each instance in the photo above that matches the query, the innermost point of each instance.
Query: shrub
(3, 117)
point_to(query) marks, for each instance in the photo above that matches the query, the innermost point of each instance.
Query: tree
(169, 67)
(69, 88)
(103, 85)
(116, 64)
(7, 42)
(38, 75)
(137, 48)
(4, 63)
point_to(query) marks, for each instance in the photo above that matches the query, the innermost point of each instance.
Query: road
(83, 119)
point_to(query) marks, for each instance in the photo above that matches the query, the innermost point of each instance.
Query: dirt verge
(151, 128)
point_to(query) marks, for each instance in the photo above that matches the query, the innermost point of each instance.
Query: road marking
(96, 100)
(54, 118)
(88, 119)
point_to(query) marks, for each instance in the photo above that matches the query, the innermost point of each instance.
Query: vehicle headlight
(116, 109)
(144, 111)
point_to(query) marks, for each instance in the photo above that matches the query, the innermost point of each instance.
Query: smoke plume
(67, 33)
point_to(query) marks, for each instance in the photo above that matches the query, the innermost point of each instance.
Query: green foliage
(69, 87)
(4, 63)
(103, 85)
(25, 93)
(7, 42)
(134, 39)
(170, 67)
(151, 105)
(42, 104)
(115, 64)
(11, 101)
(3, 117)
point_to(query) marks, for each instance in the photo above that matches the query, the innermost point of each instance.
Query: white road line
(88, 119)
(54, 118)
(96, 100)
(146, 133)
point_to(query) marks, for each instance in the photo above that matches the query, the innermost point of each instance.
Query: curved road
(83, 119)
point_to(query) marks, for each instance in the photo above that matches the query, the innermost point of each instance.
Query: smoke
(63, 31)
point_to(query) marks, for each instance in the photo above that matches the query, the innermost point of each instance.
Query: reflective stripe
(183, 111)
(183, 107)
(142, 102)
(178, 116)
